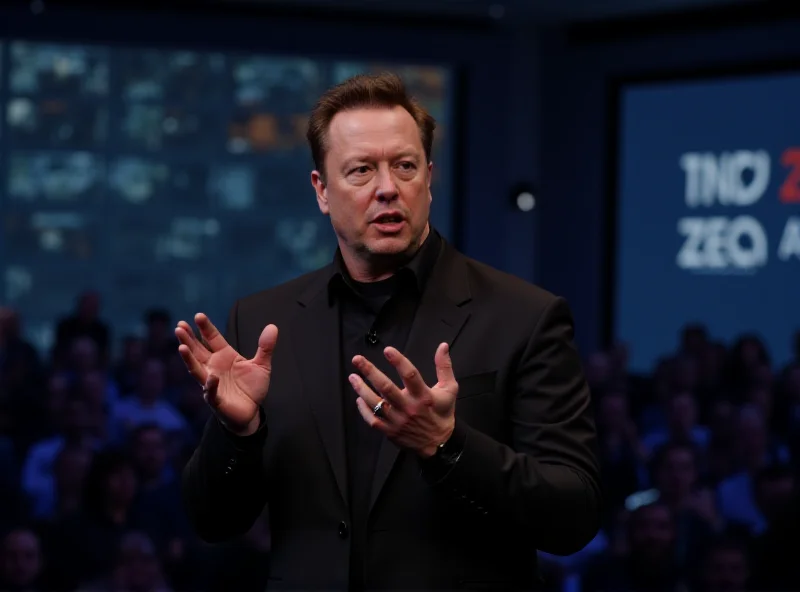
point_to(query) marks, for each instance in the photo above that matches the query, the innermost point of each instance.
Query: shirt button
(343, 530)
(371, 338)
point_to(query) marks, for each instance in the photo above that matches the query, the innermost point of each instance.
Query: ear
(430, 178)
(322, 191)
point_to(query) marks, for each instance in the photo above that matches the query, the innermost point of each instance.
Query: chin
(389, 245)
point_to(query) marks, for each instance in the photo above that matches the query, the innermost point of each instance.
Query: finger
(380, 382)
(186, 337)
(363, 391)
(444, 365)
(211, 390)
(372, 420)
(411, 377)
(209, 332)
(195, 368)
(266, 345)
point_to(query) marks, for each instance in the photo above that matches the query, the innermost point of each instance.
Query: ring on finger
(380, 409)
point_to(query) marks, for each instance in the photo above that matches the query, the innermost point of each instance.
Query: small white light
(526, 201)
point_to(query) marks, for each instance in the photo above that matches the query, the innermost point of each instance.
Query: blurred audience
(699, 460)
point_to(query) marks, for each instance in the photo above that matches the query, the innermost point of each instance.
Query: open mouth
(389, 219)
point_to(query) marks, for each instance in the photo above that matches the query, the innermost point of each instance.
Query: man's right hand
(233, 386)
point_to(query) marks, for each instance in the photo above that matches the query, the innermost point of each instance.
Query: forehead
(373, 130)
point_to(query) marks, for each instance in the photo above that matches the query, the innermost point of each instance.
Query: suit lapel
(317, 351)
(439, 318)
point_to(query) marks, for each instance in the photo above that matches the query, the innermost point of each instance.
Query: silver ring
(378, 409)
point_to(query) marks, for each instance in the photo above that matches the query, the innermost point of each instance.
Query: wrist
(250, 429)
(431, 449)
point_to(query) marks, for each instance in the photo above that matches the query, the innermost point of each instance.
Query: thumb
(210, 389)
(444, 365)
(266, 346)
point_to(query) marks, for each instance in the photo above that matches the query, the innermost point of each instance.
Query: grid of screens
(166, 178)
(709, 213)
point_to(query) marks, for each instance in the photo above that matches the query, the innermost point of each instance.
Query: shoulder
(492, 287)
(283, 295)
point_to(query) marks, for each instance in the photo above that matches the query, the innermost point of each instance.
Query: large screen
(708, 220)
(174, 179)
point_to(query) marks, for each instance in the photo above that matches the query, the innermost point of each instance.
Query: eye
(407, 166)
(360, 170)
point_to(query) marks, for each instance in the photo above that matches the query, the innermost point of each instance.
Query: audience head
(681, 414)
(84, 355)
(137, 566)
(725, 567)
(152, 379)
(149, 451)
(752, 439)
(21, 560)
(651, 533)
(111, 482)
(774, 489)
(674, 470)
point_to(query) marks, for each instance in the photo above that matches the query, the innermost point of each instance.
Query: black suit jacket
(527, 478)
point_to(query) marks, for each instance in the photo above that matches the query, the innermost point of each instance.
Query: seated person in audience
(129, 367)
(621, 453)
(647, 560)
(681, 415)
(755, 449)
(135, 568)
(84, 322)
(725, 566)
(694, 511)
(69, 474)
(37, 471)
(159, 342)
(21, 561)
(147, 406)
(158, 506)
(81, 547)
(774, 488)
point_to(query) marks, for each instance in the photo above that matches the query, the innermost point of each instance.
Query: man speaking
(422, 422)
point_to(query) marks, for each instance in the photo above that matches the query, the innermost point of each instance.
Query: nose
(387, 189)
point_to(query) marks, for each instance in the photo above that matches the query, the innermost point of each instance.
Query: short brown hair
(364, 90)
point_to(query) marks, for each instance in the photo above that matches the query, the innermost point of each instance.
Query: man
(424, 422)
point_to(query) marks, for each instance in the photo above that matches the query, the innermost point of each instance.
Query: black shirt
(373, 316)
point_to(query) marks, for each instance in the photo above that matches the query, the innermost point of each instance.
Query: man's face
(375, 165)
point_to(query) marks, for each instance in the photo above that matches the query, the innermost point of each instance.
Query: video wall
(708, 226)
(177, 179)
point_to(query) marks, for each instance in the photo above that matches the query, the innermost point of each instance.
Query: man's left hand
(417, 417)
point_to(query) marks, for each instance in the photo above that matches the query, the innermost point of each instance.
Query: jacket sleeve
(224, 483)
(545, 484)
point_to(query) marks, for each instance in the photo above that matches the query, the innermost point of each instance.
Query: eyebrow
(404, 154)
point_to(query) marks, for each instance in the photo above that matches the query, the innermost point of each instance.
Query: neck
(367, 268)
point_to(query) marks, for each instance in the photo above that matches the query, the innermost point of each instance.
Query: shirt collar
(419, 266)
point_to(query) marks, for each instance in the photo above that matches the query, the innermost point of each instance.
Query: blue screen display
(169, 178)
(708, 226)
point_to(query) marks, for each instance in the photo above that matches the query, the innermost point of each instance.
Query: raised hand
(417, 417)
(233, 386)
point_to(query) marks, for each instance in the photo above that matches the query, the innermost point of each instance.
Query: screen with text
(708, 220)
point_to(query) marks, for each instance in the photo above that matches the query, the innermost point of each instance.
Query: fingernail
(353, 379)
